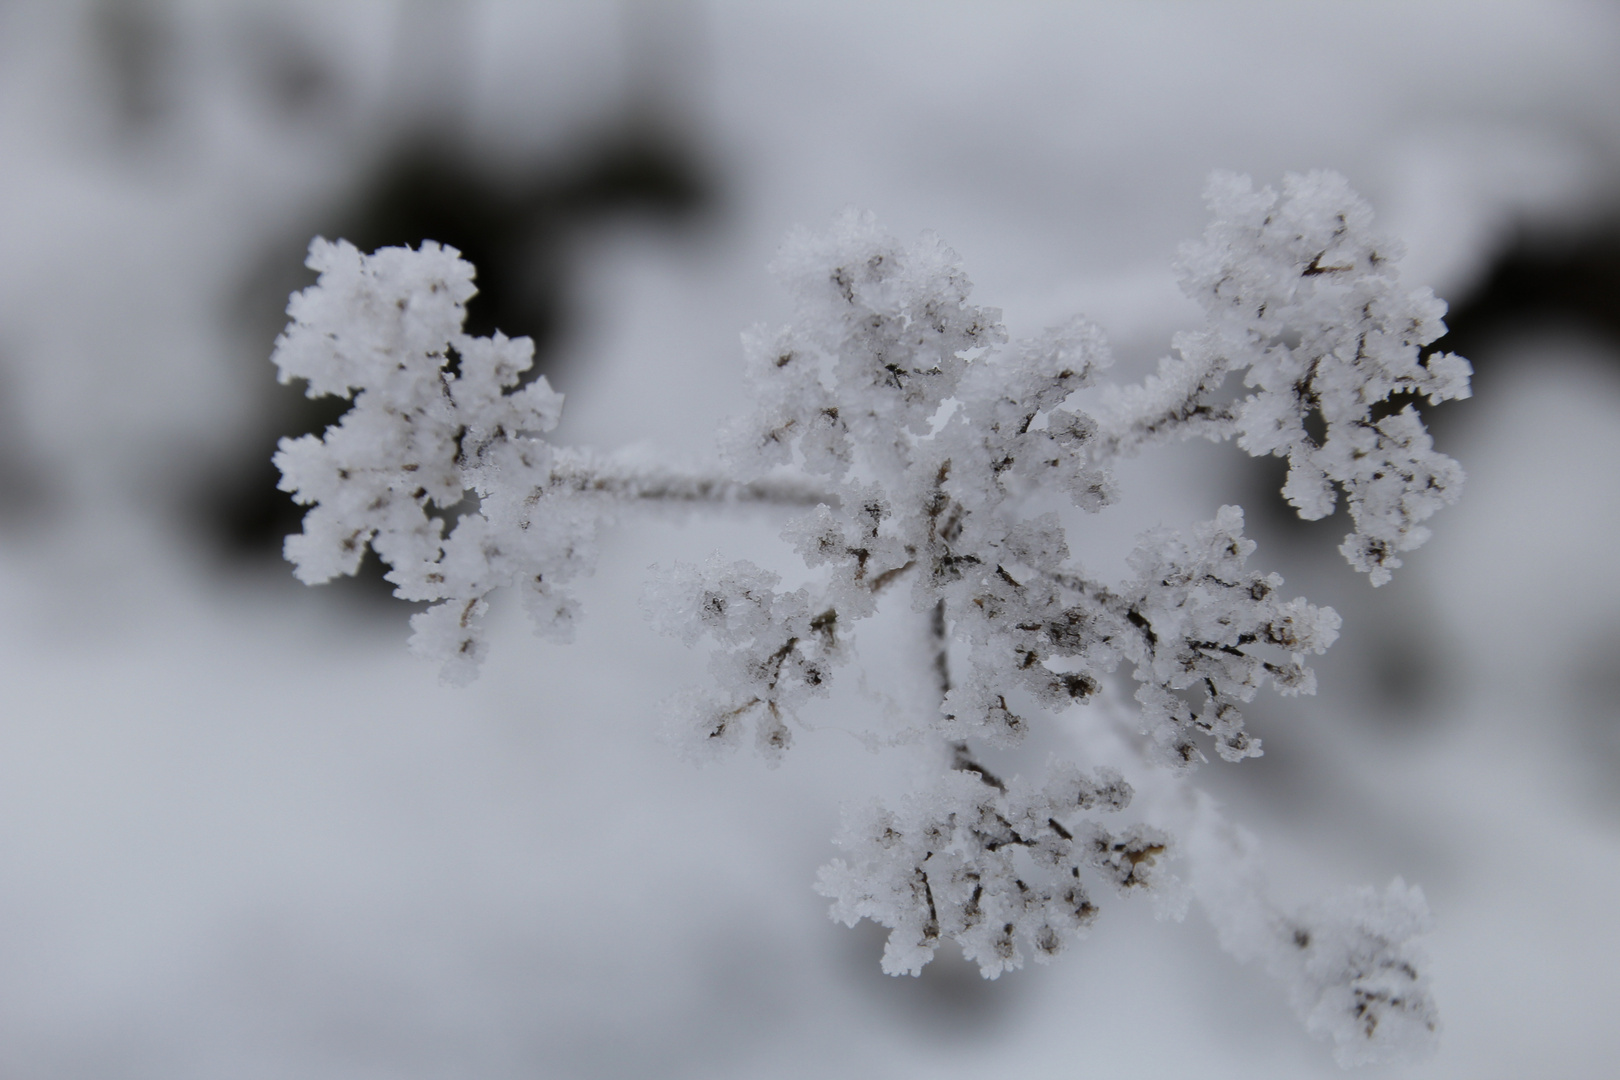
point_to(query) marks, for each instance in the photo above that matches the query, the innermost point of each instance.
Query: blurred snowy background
(243, 833)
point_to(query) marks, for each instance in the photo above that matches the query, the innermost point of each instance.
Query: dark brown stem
(962, 761)
(586, 474)
(942, 649)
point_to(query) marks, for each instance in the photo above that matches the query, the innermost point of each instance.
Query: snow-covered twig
(931, 454)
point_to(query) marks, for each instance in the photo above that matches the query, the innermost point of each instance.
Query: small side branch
(587, 474)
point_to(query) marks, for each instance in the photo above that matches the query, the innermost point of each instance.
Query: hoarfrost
(924, 445)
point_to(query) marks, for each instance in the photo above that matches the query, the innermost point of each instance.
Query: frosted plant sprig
(1352, 963)
(1304, 299)
(386, 328)
(962, 438)
(997, 869)
(934, 458)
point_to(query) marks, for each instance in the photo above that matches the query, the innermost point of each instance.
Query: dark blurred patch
(285, 68)
(521, 227)
(148, 69)
(25, 494)
(1593, 683)
(1404, 674)
(950, 999)
(137, 44)
(1570, 278)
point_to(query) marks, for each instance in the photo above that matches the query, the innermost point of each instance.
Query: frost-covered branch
(1352, 962)
(996, 871)
(1304, 300)
(935, 458)
(439, 415)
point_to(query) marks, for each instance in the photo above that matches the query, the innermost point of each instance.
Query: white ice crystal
(934, 456)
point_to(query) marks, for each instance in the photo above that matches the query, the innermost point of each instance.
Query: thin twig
(587, 473)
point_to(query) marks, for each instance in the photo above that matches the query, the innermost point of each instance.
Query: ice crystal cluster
(936, 460)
